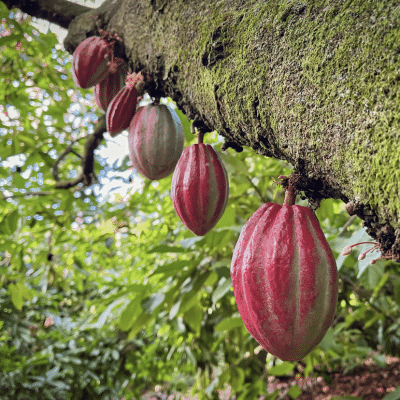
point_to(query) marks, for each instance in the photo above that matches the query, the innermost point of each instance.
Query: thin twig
(67, 150)
(27, 194)
(87, 175)
(347, 224)
(260, 195)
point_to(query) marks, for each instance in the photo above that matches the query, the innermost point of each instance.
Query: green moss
(319, 81)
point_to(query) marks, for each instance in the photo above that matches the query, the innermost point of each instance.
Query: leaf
(108, 311)
(228, 218)
(5, 40)
(25, 292)
(346, 398)
(393, 395)
(16, 296)
(163, 248)
(193, 318)
(328, 341)
(152, 302)
(138, 324)
(222, 289)
(285, 368)
(228, 324)
(294, 392)
(171, 267)
(237, 378)
(396, 284)
(129, 314)
(372, 274)
(9, 224)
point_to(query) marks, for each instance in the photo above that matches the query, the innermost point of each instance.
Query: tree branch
(59, 12)
(87, 176)
(67, 150)
(28, 194)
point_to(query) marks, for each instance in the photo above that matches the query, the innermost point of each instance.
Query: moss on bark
(314, 82)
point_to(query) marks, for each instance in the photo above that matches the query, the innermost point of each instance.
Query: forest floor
(366, 381)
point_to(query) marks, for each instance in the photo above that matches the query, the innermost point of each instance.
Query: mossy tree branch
(315, 83)
(60, 12)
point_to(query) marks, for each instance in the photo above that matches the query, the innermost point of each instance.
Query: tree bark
(316, 83)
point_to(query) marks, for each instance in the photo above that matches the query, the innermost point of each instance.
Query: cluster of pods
(200, 185)
(283, 271)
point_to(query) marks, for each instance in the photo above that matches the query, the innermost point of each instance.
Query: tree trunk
(316, 83)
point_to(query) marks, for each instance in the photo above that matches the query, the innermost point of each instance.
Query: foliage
(104, 295)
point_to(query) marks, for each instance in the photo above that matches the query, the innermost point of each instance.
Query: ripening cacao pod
(108, 88)
(90, 63)
(155, 140)
(123, 106)
(200, 188)
(284, 280)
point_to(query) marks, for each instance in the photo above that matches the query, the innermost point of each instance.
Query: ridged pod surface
(108, 88)
(200, 188)
(155, 140)
(121, 110)
(284, 280)
(90, 62)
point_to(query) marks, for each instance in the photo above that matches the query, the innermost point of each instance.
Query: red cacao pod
(123, 106)
(155, 140)
(90, 63)
(284, 280)
(108, 88)
(200, 188)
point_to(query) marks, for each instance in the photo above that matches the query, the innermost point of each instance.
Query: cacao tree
(88, 281)
(313, 83)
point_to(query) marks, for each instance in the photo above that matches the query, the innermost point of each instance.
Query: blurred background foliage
(105, 293)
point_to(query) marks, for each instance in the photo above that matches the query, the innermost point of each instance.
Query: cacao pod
(155, 140)
(123, 106)
(200, 188)
(284, 280)
(108, 88)
(90, 62)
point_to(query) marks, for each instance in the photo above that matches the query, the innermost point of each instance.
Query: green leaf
(16, 296)
(138, 324)
(396, 284)
(222, 289)
(163, 248)
(393, 395)
(372, 274)
(25, 292)
(170, 268)
(328, 341)
(237, 378)
(285, 368)
(193, 318)
(129, 315)
(108, 312)
(228, 324)
(228, 218)
(151, 303)
(294, 392)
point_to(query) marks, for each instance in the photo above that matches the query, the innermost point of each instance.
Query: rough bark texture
(316, 83)
(60, 12)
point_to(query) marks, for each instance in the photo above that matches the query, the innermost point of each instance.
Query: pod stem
(290, 196)
(200, 137)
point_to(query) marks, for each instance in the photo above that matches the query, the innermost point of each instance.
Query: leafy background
(105, 293)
